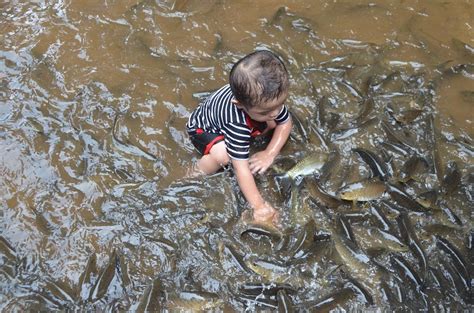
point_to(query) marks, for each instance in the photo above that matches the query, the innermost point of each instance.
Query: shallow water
(94, 99)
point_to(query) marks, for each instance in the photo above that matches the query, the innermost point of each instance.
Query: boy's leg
(217, 158)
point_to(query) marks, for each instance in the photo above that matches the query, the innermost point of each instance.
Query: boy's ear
(237, 103)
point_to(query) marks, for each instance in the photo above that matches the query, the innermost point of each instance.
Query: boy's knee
(219, 154)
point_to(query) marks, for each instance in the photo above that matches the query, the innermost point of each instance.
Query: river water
(96, 214)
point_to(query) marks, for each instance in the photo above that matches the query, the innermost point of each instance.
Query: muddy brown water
(96, 215)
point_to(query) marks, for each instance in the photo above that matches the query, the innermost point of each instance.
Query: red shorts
(204, 141)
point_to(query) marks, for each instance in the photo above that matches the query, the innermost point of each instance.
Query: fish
(192, 301)
(60, 292)
(375, 238)
(267, 289)
(464, 49)
(301, 135)
(150, 299)
(308, 165)
(7, 250)
(452, 179)
(365, 190)
(269, 231)
(368, 106)
(87, 277)
(320, 196)
(328, 303)
(412, 169)
(428, 198)
(409, 237)
(432, 133)
(467, 96)
(343, 133)
(396, 138)
(236, 257)
(458, 260)
(271, 270)
(304, 241)
(285, 304)
(105, 278)
(403, 199)
(380, 218)
(407, 272)
(378, 168)
(445, 216)
(405, 116)
(265, 301)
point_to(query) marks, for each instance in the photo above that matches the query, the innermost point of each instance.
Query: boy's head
(259, 81)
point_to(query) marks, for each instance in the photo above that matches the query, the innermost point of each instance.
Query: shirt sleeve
(237, 141)
(283, 116)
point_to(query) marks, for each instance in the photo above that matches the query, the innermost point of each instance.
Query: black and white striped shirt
(217, 114)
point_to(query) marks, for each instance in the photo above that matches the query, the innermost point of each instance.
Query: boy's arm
(262, 211)
(262, 160)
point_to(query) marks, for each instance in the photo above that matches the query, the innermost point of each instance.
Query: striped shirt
(217, 114)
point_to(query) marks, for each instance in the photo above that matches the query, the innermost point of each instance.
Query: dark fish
(267, 289)
(404, 116)
(105, 278)
(304, 241)
(150, 300)
(7, 250)
(396, 138)
(464, 49)
(409, 237)
(407, 271)
(320, 196)
(269, 231)
(447, 217)
(328, 169)
(403, 199)
(452, 180)
(86, 278)
(265, 301)
(320, 113)
(380, 218)
(344, 133)
(301, 134)
(397, 148)
(60, 292)
(467, 96)
(433, 136)
(428, 198)
(457, 259)
(285, 304)
(379, 169)
(462, 287)
(41, 222)
(367, 108)
(336, 299)
(344, 228)
(360, 290)
(412, 168)
(235, 256)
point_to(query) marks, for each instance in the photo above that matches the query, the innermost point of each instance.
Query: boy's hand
(261, 161)
(265, 214)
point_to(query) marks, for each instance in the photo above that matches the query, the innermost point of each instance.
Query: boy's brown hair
(258, 77)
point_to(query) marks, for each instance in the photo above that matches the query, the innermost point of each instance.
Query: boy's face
(264, 112)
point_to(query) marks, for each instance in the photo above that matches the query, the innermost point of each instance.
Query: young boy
(251, 104)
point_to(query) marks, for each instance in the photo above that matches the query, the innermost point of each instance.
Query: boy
(251, 104)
